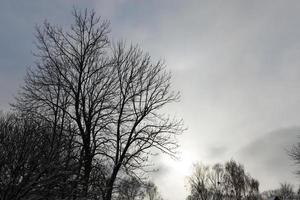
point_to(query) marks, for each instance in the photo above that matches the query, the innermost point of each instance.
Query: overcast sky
(236, 64)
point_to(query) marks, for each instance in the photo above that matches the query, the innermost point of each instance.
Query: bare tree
(200, 183)
(286, 191)
(217, 181)
(110, 95)
(138, 126)
(235, 178)
(294, 154)
(32, 162)
(130, 189)
(252, 188)
(73, 77)
(151, 192)
(222, 181)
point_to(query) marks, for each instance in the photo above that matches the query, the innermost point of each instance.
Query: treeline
(87, 118)
(285, 191)
(230, 181)
(36, 164)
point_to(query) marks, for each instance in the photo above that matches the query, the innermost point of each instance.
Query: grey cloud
(267, 157)
(217, 151)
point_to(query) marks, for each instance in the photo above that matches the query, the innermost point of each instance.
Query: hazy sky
(236, 64)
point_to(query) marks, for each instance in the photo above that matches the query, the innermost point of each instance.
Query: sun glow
(182, 166)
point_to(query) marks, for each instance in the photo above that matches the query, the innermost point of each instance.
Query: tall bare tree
(112, 95)
(73, 77)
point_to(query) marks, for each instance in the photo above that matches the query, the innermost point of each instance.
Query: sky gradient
(236, 64)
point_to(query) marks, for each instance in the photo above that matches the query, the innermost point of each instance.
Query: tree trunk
(87, 159)
(110, 183)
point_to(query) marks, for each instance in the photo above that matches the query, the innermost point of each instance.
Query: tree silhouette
(222, 181)
(111, 96)
(33, 164)
(294, 154)
(151, 191)
(130, 189)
